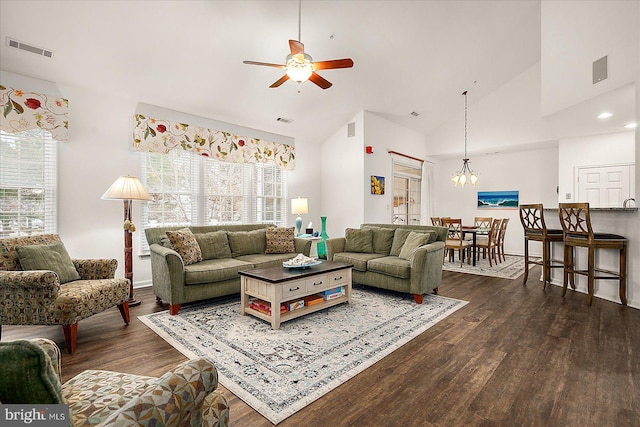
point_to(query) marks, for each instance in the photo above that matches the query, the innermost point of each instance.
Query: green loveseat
(376, 252)
(226, 250)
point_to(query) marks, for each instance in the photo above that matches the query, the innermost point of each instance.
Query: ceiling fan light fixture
(297, 70)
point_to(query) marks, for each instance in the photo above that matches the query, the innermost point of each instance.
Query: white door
(604, 186)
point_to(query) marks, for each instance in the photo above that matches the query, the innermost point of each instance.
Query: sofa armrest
(176, 399)
(167, 273)
(215, 410)
(303, 246)
(426, 268)
(52, 350)
(334, 246)
(94, 269)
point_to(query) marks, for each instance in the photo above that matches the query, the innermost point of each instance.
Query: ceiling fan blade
(297, 49)
(280, 81)
(263, 63)
(335, 63)
(320, 81)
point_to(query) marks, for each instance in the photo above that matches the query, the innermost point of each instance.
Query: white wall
(598, 150)
(508, 117)
(384, 135)
(98, 151)
(576, 33)
(533, 173)
(342, 194)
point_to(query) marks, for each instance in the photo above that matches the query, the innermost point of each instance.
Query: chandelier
(465, 173)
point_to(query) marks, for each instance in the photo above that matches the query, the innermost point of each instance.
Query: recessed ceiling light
(631, 125)
(604, 115)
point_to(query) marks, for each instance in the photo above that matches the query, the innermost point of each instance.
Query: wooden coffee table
(279, 284)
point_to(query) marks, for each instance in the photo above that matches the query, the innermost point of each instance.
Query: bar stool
(532, 218)
(576, 225)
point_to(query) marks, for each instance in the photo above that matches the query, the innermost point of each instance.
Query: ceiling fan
(300, 67)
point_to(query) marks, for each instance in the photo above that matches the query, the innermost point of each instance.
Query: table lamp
(127, 188)
(299, 206)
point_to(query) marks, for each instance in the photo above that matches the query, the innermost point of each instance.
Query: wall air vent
(351, 130)
(284, 120)
(600, 70)
(29, 48)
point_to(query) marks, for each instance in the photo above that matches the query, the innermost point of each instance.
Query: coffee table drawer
(292, 289)
(317, 283)
(338, 278)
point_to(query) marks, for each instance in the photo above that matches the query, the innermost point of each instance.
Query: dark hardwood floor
(514, 356)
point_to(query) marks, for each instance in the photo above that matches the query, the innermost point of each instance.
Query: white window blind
(28, 183)
(172, 180)
(194, 190)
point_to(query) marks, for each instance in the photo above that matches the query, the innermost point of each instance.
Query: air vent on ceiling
(29, 48)
(415, 113)
(284, 120)
(600, 70)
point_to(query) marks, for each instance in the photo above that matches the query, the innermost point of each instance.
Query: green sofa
(384, 256)
(226, 250)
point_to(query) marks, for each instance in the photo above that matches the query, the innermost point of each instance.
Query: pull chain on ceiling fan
(300, 67)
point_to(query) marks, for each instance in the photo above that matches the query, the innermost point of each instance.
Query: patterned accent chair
(37, 297)
(184, 396)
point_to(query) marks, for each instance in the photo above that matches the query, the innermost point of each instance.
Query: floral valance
(29, 110)
(162, 136)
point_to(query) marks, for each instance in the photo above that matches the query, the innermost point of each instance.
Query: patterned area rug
(512, 268)
(278, 372)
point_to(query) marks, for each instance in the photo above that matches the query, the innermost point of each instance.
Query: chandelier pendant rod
(299, 20)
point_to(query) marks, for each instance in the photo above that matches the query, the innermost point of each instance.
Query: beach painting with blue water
(498, 199)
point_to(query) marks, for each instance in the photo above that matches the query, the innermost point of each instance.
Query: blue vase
(322, 247)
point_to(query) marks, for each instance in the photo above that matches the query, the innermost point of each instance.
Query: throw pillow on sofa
(53, 257)
(214, 245)
(184, 242)
(414, 241)
(382, 240)
(399, 237)
(358, 240)
(247, 242)
(280, 240)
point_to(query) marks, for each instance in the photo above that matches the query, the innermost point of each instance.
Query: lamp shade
(126, 188)
(299, 206)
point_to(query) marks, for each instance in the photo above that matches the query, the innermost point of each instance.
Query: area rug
(512, 268)
(278, 372)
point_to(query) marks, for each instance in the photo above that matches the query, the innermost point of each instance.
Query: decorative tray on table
(301, 261)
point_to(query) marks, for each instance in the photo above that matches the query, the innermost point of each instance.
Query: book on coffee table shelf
(295, 305)
(312, 300)
(332, 293)
(265, 307)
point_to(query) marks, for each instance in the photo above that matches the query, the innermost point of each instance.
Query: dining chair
(535, 229)
(576, 226)
(501, 234)
(482, 224)
(489, 243)
(455, 241)
(436, 221)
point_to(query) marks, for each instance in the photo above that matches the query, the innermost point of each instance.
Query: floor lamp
(128, 188)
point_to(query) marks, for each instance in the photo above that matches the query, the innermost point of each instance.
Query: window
(27, 183)
(194, 190)
(407, 181)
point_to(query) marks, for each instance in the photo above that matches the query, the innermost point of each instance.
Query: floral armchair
(70, 291)
(184, 396)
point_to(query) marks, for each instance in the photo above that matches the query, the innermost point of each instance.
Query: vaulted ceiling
(187, 55)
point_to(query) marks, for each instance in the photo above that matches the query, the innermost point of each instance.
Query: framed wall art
(377, 184)
(498, 199)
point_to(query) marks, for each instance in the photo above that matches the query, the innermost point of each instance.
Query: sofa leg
(418, 298)
(173, 309)
(124, 312)
(70, 335)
